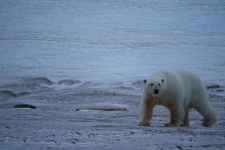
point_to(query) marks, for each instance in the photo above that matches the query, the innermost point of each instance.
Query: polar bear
(179, 90)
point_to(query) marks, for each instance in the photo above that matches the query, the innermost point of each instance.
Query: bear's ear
(144, 81)
(163, 80)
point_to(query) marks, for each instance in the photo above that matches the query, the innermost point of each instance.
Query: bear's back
(194, 89)
(187, 77)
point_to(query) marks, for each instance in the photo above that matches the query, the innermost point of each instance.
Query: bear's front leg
(145, 117)
(176, 116)
(146, 112)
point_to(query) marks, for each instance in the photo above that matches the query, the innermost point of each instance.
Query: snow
(65, 55)
(111, 40)
(56, 123)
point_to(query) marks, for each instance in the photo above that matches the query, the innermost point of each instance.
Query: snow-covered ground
(72, 119)
(66, 55)
(106, 41)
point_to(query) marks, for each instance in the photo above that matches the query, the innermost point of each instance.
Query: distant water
(111, 41)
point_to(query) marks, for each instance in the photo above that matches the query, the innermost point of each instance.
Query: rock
(7, 92)
(23, 93)
(38, 81)
(25, 106)
(213, 86)
(103, 109)
(68, 82)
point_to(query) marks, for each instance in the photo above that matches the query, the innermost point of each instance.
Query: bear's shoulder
(163, 74)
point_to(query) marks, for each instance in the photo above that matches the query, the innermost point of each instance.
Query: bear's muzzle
(156, 91)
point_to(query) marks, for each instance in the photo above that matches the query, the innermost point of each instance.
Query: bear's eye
(158, 84)
(151, 84)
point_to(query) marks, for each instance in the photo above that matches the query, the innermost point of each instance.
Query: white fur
(179, 90)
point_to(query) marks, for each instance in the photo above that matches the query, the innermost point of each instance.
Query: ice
(110, 41)
(65, 55)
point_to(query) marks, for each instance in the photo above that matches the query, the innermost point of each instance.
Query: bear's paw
(144, 123)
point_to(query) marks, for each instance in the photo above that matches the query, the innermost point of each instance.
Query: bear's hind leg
(176, 116)
(186, 118)
(209, 121)
(208, 112)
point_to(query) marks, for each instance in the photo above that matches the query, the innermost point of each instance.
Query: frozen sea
(110, 41)
(74, 59)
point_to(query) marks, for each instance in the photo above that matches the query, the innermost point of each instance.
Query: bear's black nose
(156, 91)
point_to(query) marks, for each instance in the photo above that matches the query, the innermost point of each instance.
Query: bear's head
(154, 87)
